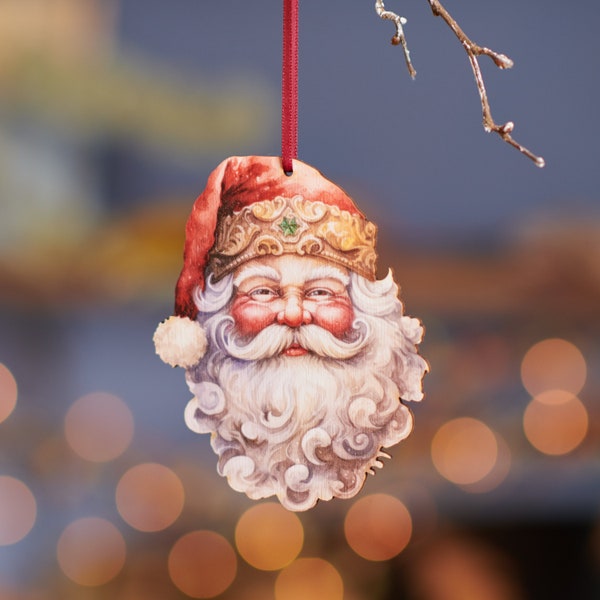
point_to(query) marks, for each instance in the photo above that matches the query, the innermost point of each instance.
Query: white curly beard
(308, 427)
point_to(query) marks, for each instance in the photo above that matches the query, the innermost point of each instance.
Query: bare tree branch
(399, 35)
(473, 51)
(503, 62)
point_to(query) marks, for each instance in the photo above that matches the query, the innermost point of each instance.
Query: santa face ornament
(297, 357)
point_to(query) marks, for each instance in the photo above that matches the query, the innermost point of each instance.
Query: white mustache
(275, 339)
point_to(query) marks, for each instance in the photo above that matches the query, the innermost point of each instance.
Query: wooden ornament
(306, 357)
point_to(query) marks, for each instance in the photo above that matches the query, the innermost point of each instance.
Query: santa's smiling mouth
(295, 349)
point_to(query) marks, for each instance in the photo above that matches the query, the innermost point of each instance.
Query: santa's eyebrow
(256, 271)
(326, 272)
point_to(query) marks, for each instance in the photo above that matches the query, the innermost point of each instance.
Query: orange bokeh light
(269, 537)
(453, 566)
(498, 473)
(464, 450)
(553, 364)
(202, 564)
(91, 551)
(8, 392)
(555, 422)
(378, 527)
(150, 497)
(18, 510)
(99, 427)
(309, 578)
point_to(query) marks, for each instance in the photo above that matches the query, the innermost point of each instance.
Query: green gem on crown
(289, 226)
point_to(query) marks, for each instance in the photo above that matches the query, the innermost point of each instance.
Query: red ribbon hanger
(289, 86)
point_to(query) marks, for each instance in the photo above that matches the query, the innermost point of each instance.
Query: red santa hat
(249, 208)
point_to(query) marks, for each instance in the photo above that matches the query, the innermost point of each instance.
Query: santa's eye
(319, 293)
(264, 294)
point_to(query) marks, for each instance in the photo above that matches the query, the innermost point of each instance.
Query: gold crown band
(294, 226)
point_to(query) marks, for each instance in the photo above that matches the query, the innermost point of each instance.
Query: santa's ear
(180, 342)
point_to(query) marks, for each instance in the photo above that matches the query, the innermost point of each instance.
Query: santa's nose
(293, 313)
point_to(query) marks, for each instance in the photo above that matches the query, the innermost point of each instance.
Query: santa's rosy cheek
(336, 317)
(251, 317)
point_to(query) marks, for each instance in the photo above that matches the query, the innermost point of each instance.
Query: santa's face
(291, 291)
(301, 384)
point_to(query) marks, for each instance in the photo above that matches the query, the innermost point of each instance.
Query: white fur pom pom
(180, 342)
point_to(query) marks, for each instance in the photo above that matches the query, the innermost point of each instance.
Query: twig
(473, 51)
(503, 62)
(398, 38)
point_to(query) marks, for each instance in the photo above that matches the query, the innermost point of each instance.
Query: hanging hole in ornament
(287, 165)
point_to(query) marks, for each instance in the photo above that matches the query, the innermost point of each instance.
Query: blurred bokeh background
(112, 115)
